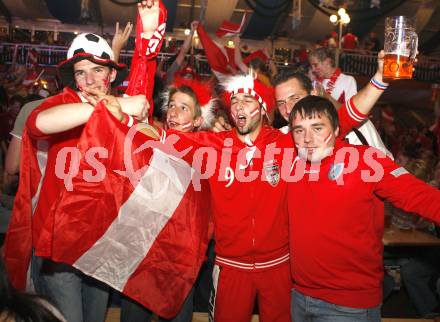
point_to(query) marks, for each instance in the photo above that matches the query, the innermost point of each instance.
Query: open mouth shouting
(240, 120)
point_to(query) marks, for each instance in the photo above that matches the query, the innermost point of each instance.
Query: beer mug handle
(414, 45)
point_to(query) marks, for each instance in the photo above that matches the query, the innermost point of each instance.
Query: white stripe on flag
(117, 254)
(42, 147)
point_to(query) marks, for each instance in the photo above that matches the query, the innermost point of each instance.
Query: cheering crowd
(112, 197)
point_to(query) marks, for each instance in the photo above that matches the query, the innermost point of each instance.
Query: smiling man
(335, 232)
(55, 126)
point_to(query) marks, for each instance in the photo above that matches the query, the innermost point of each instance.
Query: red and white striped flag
(220, 59)
(33, 57)
(228, 28)
(147, 240)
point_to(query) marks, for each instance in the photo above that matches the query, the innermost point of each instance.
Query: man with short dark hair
(53, 128)
(291, 86)
(337, 267)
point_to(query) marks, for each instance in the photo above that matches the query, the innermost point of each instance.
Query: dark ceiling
(293, 21)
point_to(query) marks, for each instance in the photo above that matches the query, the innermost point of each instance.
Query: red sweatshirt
(335, 234)
(250, 218)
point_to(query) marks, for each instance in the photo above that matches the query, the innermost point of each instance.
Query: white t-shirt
(344, 84)
(347, 84)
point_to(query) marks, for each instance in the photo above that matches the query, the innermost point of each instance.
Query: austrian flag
(229, 28)
(147, 240)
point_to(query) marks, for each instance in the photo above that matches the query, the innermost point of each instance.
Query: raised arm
(368, 96)
(150, 32)
(120, 39)
(186, 44)
(64, 117)
(237, 55)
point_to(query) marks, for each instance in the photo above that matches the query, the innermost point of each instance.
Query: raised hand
(94, 96)
(149, 13)
(120, 38)
(136, 106)
(221, 124)
(194, 25)
(380, 59)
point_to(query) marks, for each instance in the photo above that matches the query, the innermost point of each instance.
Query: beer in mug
(400, 48)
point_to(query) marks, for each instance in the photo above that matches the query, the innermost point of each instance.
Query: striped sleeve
(349, 117)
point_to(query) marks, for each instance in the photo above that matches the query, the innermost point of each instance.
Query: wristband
(378, 85)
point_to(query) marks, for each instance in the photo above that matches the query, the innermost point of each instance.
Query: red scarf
(332, 81)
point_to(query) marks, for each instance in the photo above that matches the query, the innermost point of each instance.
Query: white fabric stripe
(15, 135)
(275, 260)
(212, 298)
(163, 136)
(222, 259)
(233, 265)
(248, 266)
(127, 241)
(42, 147)
(227, 30)
(356, 116)
(354, 109)
(273, 264)
(130, 121)
(352, 113)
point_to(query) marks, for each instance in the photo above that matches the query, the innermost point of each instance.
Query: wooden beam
(5, 11)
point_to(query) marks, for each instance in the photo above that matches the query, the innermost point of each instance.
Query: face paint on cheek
(234, 116)
(255, 112)
(328, 138)
(187, 125)
(106, 81)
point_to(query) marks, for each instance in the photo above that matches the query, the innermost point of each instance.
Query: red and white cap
(247, 84)
(202, 90)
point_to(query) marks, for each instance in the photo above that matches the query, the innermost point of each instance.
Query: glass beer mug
(400, 48)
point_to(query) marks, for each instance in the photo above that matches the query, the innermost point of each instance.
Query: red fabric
(250, 222)
(229, 28)
(232, 211)
(336, 233)
(221, 60)
(349, 41)
(168, 270)
(256, 54)
(26, 227)
(202, 90)
(143, 64)
(273, 288)
(33, 57)
(18, 242)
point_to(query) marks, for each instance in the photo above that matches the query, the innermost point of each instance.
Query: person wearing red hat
(251, 234)
(52, 129)
(249, 204)
(188, 107)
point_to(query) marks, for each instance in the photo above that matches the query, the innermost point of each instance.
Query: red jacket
(250, 218)
(335, 234)
(51, 184)
(38, 189)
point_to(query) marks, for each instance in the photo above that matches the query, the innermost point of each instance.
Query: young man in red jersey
(335, 234)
